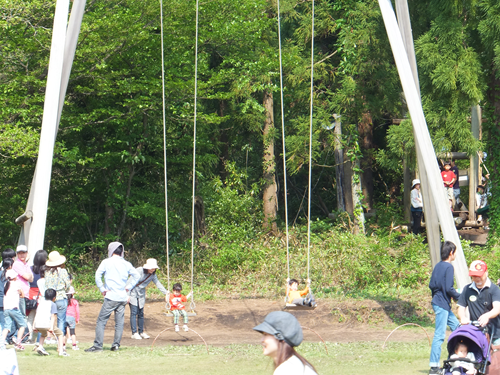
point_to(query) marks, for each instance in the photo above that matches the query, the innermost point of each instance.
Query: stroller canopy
(471, 336)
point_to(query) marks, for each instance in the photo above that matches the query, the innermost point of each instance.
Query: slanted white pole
(431, 218)
(423, 140)
(41, 182)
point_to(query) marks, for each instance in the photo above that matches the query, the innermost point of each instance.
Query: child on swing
(299, 297)
(176, 299)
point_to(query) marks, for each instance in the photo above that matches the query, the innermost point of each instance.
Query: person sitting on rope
(176, 299)
(296, 296)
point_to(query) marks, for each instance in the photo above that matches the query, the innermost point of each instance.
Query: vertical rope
(194, 146)
(310, 146)
(284, 148)
(164, 145)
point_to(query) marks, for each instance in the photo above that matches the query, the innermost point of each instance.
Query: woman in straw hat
(57, 278)
(281, 333)
(138, 297)
(416, 206)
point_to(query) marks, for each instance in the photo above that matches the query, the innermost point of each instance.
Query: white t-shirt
(41, 287)
(294, 366)
(11, 299)
(44, 314)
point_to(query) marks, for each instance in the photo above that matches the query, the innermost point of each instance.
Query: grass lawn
(353, 358)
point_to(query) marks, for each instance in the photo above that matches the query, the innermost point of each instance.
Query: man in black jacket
(441, 285)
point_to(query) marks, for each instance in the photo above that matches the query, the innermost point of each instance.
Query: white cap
(415, 182)
(21, 248)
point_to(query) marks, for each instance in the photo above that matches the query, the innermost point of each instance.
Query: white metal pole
(49, 128)
(424, 139)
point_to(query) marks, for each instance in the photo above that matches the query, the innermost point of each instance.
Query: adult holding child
(57, 278)
(116, 272)
(25, 276)
(147, 274)
(281, 333)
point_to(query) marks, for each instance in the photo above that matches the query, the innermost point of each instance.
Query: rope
(310, 147)
(194, 149)
(164, 145)
(284, 149)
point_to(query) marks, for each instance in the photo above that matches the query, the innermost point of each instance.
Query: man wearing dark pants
(441, 285)
(116, 272)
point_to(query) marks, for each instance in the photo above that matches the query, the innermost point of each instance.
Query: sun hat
(55, 259)
(151, 264)
(11, 274)
(283, 326)
(415, 182)
(477, 268)
(113, 246)
(21, 248)
(71, 290)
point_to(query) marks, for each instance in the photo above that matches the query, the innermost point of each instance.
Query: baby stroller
(474, 337)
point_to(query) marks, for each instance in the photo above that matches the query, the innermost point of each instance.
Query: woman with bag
(34, 293)
(57, 278)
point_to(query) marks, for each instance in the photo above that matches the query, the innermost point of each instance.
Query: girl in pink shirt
(72, 317)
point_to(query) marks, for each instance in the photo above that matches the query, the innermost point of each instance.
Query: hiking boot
(176, 328)
(434, 371)
(185, 328)
(136, 336)
(93, 349)
(40, 350)
(144, 335)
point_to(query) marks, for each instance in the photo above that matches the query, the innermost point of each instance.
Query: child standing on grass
(72, 317)
(176, 299)
(296, 296)
(12, 292)
(46, 321)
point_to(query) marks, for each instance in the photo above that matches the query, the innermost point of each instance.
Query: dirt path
(227, 322)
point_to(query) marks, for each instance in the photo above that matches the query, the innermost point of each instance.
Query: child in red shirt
(449, 179)
(176, 299)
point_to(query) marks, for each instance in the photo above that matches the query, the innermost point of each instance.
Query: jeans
(62, 306)
(2, 320)
(14, 315)
(107, 308)
(136, 318)
(443, 318)
(417, 221)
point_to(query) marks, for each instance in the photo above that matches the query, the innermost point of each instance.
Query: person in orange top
(296, 296)
(176, 299)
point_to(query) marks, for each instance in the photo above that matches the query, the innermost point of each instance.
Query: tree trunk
(365, 129)
(270, 188)
(359, 216)
(348, 185)
(224, 142)
(199, 217)
(339, 165)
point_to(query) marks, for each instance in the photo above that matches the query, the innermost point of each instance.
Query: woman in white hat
(57, 278)
(137, 298)
(281, 333)
(416, 206)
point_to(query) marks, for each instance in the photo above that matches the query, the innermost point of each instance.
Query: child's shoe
(144, 335)
(176, 327)
(40, 350)
(19, 347)
(75, 347)
(185, 327)
(136, 336)
(63, 354)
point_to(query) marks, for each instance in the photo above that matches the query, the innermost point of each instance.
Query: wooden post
(474, 163)
(339, 163)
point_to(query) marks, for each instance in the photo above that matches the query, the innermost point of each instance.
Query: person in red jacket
(176, 300)
(449, 179)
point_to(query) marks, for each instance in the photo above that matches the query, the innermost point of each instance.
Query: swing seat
(292, 307)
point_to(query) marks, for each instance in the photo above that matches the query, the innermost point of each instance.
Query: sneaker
(185, 328)
(50, 340)
(68, 341)
(93, 349)
(115, 348)
(144, 335)
(136, 336)
(434, 371)
(40, 350)
(19, 347)
(75, 347)
(36, 346)
(63, 354)
(176, 328)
